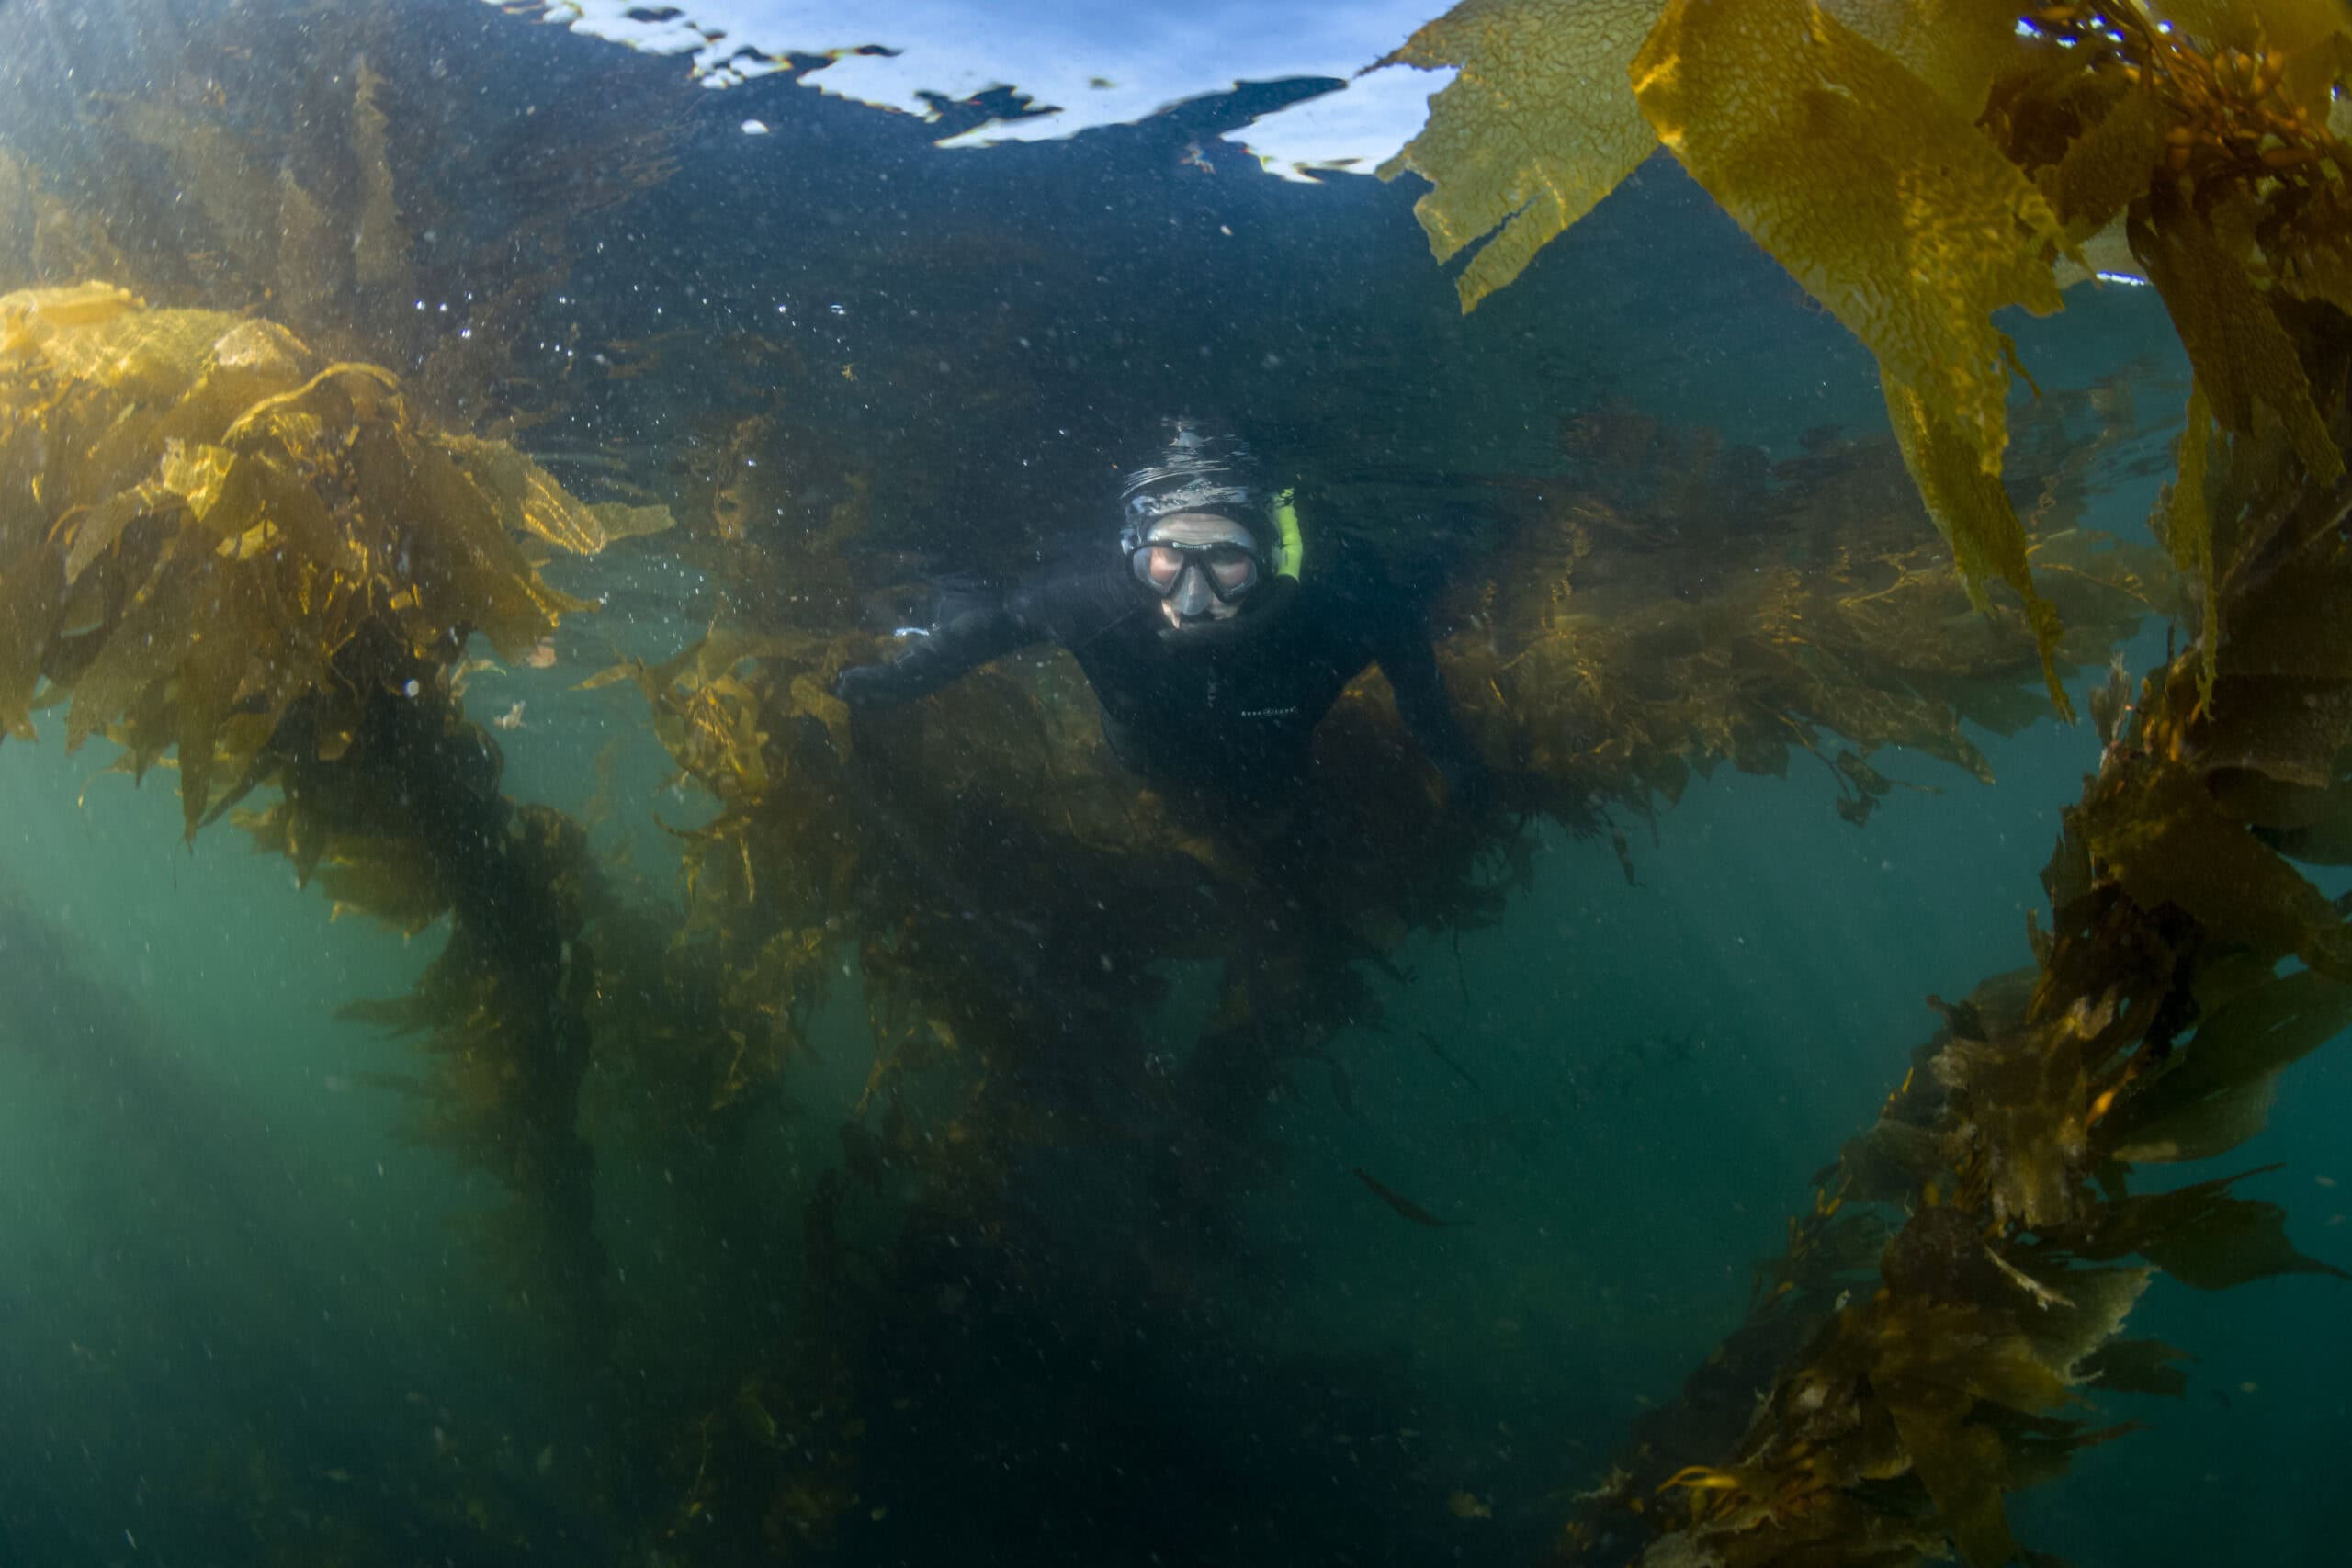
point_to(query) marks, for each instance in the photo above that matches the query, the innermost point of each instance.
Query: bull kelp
(876, 1136)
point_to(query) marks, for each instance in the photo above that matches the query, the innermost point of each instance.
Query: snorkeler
(1214, 653)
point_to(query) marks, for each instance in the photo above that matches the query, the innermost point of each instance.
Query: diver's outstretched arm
(1071, 607)
(944, 654)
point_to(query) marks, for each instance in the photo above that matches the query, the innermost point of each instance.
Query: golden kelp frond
(1909, 1415)
(1919, 166)
(1955, 46)
(2287, 25)
(214, 515)
(2203, 1236)
(704, 714)
(769, 882)
(2224, 108)
(1883, 200)
(1542, 121)
(383, 878)
(1972, 512)
(95, 332)
(1538, 127)
(32, 604)
(619, 520)
(2184, 525)
(741, 713)
(30, 317)
(2208, 1102)
(529, 501)
(2158, 831)
(2242, 357)
(1889, 207)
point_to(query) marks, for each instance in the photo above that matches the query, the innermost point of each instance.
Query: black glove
(864, 685)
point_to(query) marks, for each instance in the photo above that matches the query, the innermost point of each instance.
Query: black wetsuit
(1228, 709)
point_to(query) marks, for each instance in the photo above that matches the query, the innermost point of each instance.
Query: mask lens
(1231, 569)
(1161, 566)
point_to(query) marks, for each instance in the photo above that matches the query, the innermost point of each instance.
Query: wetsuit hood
(1203, 469)
(1204, 472)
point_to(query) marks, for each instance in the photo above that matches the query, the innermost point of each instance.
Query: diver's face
(1201, 566)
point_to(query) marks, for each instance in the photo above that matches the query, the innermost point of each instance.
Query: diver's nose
(1191, 597)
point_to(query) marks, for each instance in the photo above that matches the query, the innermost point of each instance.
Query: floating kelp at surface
(1919, 166)
(1527, 139)
(2188, 961)
(200, 514)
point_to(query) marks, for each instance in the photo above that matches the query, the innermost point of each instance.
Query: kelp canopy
(1918, 167)
(252, 511)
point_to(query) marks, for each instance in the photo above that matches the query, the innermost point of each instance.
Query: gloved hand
(863, 685)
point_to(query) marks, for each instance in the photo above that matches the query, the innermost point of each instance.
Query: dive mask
(1226, 569)
(1203, 569)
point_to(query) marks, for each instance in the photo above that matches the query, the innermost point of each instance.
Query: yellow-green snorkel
(1290, 550)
